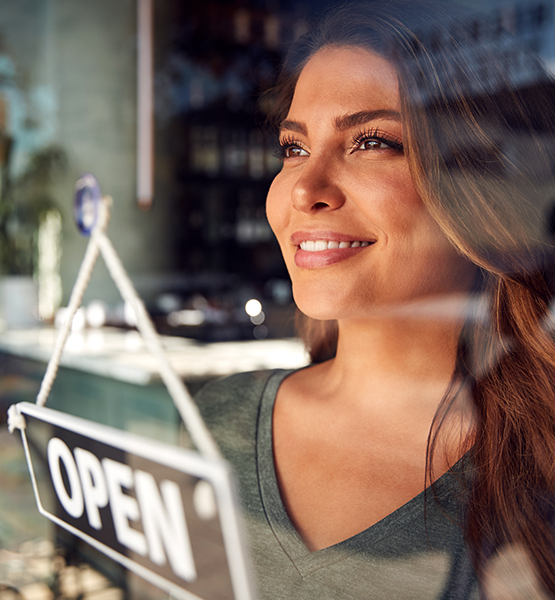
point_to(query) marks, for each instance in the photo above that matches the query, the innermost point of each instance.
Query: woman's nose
(316, 190)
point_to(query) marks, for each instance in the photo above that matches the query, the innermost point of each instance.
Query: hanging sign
(166, 513)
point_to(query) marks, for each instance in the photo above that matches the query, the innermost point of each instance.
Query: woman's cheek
(277, 209)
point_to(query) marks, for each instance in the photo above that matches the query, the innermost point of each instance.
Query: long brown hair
(478, 140)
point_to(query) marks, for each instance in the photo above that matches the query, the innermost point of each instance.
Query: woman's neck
(401, 357)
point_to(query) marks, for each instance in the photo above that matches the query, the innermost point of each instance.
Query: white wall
(94, 49)
(82, 55)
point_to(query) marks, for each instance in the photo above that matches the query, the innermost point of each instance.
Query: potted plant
(26, 201)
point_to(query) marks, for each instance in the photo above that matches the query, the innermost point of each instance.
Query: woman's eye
(376, 142)
(293, 152)
(374, 145)
(290, 148)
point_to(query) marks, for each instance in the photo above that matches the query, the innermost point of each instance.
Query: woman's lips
(317, 253)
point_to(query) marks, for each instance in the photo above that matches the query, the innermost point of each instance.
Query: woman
(402, 202)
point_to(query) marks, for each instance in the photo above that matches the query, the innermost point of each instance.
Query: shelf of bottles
(215, 159)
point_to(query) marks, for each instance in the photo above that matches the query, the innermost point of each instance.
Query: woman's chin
(315, 310)
(325, 309)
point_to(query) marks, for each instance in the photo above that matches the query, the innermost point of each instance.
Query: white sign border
(215, 471)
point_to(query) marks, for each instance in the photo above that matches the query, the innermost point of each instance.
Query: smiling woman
(417, 449)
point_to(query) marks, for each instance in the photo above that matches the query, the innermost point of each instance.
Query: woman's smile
(319, 249)
(352, 228)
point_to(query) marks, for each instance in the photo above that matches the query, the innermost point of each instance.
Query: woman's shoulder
(230, 408)
(239, 385)
(238, 392)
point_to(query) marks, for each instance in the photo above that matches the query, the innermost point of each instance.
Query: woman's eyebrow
(345, 121)
(295, 126)
(364, 116)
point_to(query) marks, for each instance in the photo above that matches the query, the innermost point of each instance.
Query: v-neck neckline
(287, 535)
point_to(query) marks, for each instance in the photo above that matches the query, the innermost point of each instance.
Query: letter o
(58, 451)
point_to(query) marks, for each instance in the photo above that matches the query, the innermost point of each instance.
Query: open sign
(145, 504)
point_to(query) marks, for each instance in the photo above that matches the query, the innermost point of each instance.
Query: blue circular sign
(86, 204)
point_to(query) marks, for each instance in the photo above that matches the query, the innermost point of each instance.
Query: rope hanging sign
(150, 506)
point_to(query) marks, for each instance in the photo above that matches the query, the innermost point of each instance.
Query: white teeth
(319, 245)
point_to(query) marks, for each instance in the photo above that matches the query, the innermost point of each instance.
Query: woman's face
(354, 233)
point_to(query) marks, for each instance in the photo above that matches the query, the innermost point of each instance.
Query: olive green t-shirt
(416, 552)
